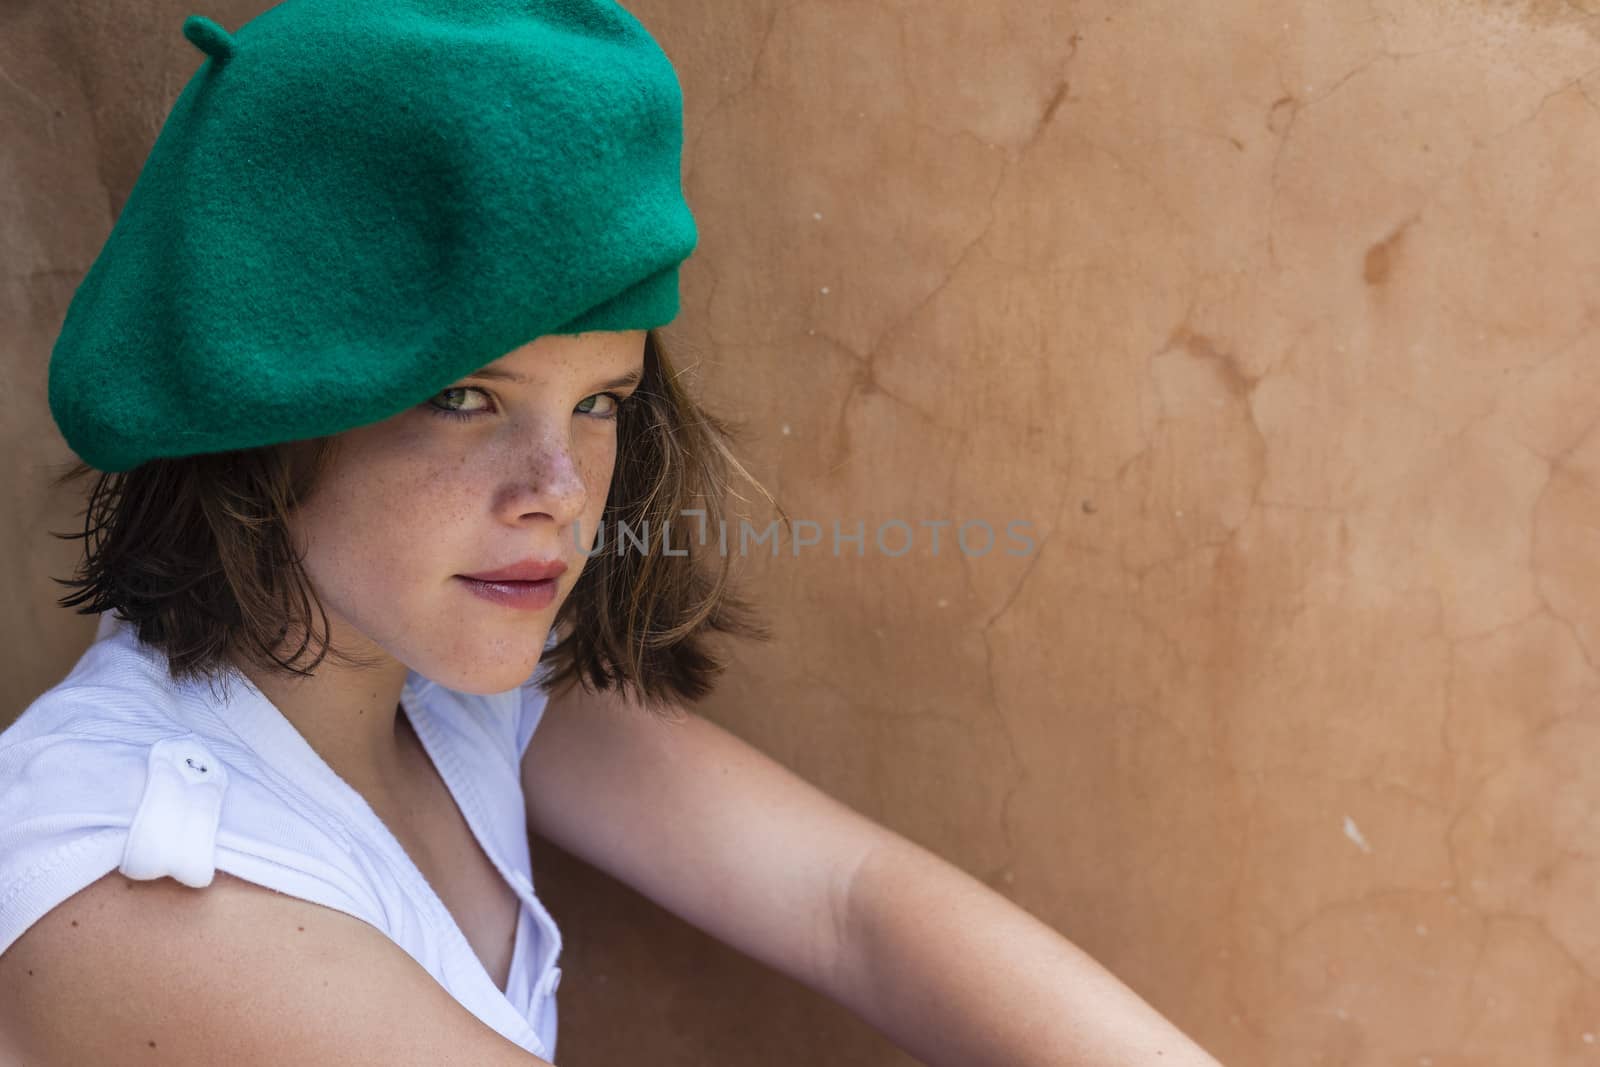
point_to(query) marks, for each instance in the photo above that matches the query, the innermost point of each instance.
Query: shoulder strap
(174, 830)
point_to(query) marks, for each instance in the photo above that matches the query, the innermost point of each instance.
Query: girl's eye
(450, 413)
(618, 402)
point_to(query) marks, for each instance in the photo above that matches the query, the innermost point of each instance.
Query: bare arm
(703, 824)
(157, 972)
(735, 844)
(955, 973)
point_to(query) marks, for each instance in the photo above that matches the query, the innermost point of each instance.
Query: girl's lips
(527, 570)
(523, 596)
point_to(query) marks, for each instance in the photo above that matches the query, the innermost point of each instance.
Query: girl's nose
(549, 481)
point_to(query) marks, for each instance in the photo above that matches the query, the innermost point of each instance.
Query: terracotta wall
(1274, 320)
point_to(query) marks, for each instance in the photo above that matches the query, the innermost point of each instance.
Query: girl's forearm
(959, 976)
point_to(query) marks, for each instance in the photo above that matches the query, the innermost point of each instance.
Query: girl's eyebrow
(633, 377)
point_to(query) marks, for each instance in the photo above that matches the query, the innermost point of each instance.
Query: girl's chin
(485, 677)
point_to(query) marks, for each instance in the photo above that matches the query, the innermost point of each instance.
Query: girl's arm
(127, 972)
(732, 842)
(955, 973)
(703, 824)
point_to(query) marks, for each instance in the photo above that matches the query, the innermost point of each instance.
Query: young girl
(368, 380)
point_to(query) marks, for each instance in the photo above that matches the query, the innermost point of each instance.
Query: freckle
(152, 1044)
(30, 974)
(302, 929)
(74, 922)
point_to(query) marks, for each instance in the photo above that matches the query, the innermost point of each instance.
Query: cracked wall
(1273, 319)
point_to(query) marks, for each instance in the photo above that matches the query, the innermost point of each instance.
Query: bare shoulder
(131, 971)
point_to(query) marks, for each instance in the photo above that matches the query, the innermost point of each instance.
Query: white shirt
(118, 768)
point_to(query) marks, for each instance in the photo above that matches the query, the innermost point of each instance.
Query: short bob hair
(196, 554)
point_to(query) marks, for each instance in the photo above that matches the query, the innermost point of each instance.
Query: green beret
(354, 203)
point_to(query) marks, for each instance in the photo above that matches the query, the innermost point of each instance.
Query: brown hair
(195, 552)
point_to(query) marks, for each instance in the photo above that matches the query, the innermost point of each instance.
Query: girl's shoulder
(116, 768)
(85, 741)
(74, 767)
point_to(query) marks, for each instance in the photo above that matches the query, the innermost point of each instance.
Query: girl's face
(509, 464)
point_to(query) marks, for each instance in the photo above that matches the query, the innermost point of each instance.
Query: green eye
(618, 402)
(448, 412)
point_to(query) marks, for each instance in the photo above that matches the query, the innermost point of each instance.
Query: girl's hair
(196, 554)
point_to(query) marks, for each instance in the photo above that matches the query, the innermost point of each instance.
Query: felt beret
(354, 203)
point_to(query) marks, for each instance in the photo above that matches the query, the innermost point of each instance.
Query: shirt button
(195, 763)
